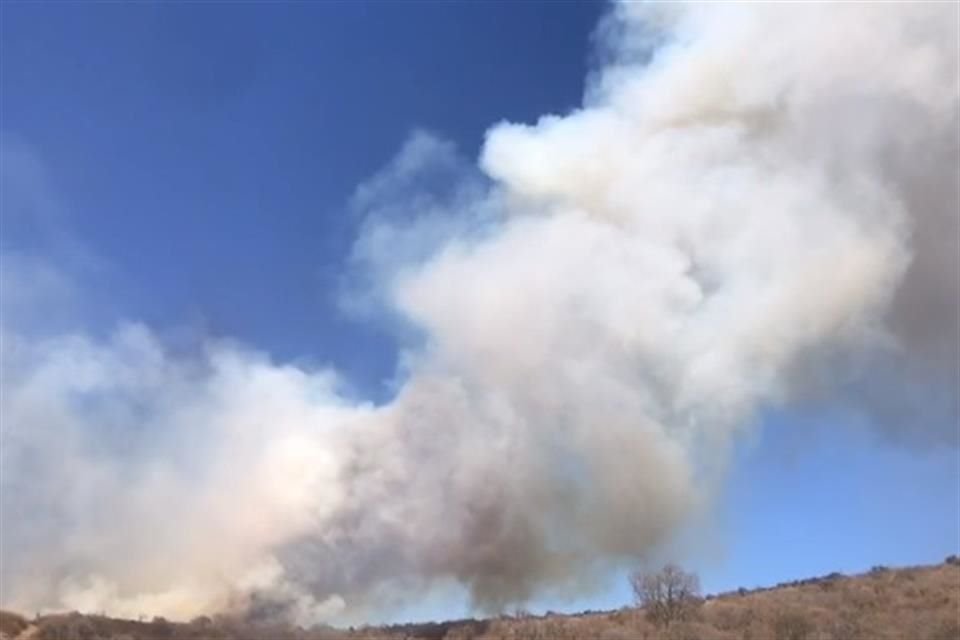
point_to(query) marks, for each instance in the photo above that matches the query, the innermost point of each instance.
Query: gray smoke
(756, 205)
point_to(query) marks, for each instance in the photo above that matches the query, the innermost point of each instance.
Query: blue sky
(209, 154)
(195, 163)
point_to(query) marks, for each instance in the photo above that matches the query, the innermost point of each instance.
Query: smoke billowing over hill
(756, 205)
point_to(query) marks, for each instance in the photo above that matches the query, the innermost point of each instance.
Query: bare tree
(668, 595)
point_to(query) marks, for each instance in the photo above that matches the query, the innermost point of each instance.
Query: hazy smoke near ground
(756, 205)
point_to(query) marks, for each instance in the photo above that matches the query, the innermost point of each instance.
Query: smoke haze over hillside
(757, 205)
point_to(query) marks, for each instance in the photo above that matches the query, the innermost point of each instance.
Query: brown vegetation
(918, 603)
(12, 625)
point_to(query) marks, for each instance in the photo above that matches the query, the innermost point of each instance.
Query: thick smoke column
(753, 199)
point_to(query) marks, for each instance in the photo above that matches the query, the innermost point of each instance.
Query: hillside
(915, 603)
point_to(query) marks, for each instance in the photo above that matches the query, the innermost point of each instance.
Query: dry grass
(917, 603)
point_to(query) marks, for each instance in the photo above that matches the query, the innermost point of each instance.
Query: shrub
(668, 595)
(11, 624)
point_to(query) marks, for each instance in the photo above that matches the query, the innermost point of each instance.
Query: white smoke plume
(757, 204)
